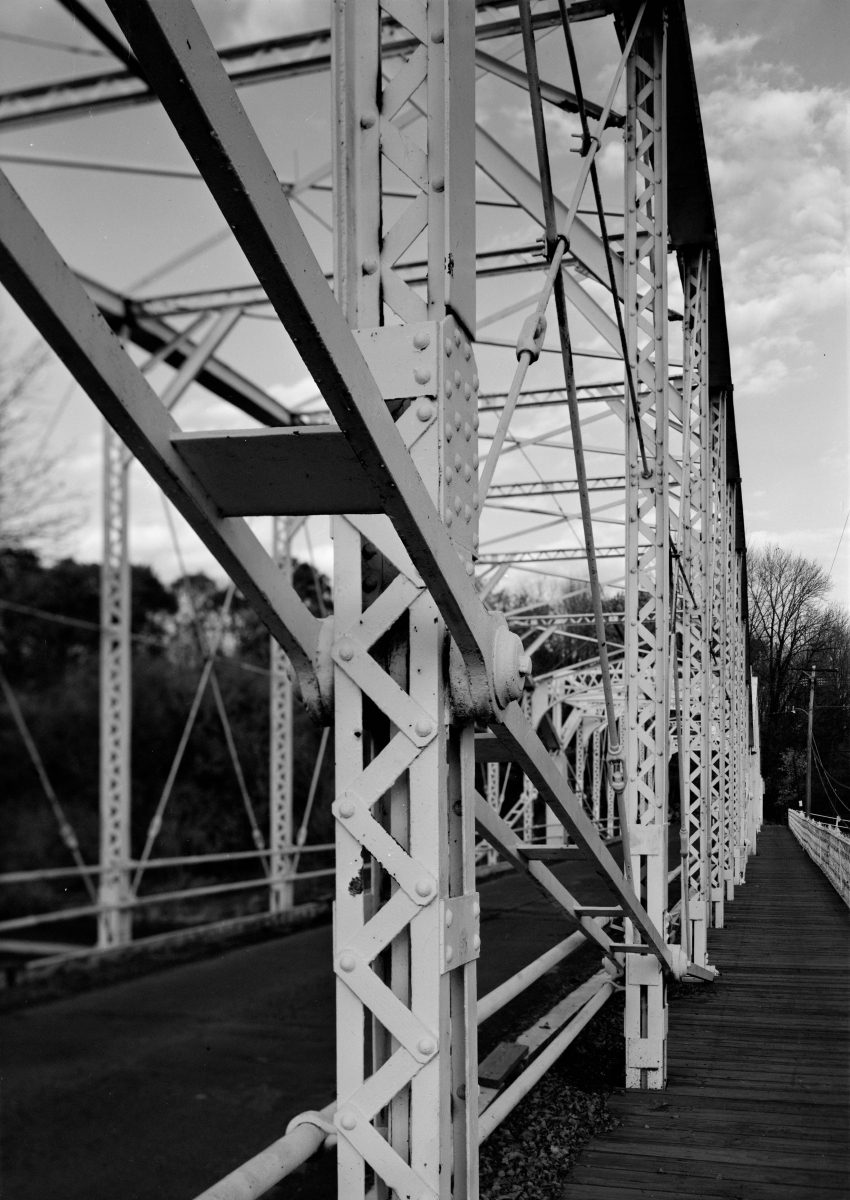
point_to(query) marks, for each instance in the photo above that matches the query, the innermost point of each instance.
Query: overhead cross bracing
(415, 474)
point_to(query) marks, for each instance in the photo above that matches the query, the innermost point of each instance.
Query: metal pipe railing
(497, 999)
(260, 1173)
(92, 910)
(38, 874)
(827, 846)
(504, 1104)
(307, 1132)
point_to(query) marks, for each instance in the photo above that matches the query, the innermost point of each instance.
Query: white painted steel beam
(281, 742)
(647, 592)
(694, 548)
(114, 921)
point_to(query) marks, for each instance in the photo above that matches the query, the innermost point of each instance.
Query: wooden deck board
(758, 1097)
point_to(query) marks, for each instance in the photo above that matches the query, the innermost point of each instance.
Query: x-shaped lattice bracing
(414, 727)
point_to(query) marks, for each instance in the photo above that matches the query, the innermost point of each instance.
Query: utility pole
(812, 678)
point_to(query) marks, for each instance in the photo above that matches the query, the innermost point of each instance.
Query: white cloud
(779, 169)
(707, 47)
(240, 21)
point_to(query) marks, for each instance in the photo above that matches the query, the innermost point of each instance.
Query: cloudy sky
(773, 81)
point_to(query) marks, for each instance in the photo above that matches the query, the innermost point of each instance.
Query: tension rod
(534, 330)
(603, 228)
(615, 752)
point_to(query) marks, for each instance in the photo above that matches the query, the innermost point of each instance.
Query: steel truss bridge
(425, 429)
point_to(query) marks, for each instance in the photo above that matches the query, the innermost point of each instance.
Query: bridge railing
(828, 846)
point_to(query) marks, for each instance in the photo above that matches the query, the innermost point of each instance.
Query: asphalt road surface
(153, 1089)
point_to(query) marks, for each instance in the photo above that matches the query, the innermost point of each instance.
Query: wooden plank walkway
(758, 1096)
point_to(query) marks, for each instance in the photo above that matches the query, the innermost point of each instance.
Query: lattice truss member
(419, 677)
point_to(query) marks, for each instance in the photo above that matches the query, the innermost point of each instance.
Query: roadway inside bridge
(153, 1089)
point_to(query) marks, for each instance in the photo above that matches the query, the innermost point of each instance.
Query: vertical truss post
(610, 795)
(596, 780)
(406, 928)
(114, 922)
(529, 793)
(755, 761)
(718, 792)
(581, 763)
(493, 794)
(739, 861)
(730, 720)
(529, 797)
(281, 745)
(647, 596)
(696, 654)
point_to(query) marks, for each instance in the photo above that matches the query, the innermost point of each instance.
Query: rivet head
(458, 379)
(449, 954)
(438, 184)
(458, 462)
(467, 472)
(422, 375)
(457, 337)
(467, 514)
(449, 431)
(449, 516)
(476, 942)
(476, 909)
(370, 266)
(424, 411)
(426, 1045)
(470, 569)
(368, 120)
(424, 888)
(467, 390)
(449, 347)
(437, 37)
(467, 351)
(475, 500)
(457, 505)
(467, 431)
(449, 474)
(348, 1121)
(475, 461)
(347, 962)
(449, 389)
(449, 917)
(422, 727)
(346, 652)
(475, 382)
(422, 339)
(458, 421)
(476, 421)
(346, 808)
(475, 541)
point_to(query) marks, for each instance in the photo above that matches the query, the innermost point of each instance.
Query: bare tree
(787, 619)
(35, 506)
(792, 627)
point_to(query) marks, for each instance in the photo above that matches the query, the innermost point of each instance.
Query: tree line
(50, 655)
(794, 627)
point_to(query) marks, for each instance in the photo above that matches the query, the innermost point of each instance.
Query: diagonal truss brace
(57, 304)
